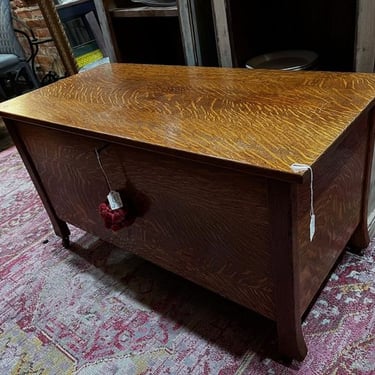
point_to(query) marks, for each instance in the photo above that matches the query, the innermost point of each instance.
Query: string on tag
(97, 152)
(113, 197)
(298, 168)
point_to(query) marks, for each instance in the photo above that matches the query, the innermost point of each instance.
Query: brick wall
(48, 57)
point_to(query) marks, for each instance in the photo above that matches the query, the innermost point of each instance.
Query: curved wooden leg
(60, 227)
(285, 271)
(66, 242)
(360, 238)
(291, 343)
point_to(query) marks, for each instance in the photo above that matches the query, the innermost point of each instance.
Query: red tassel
(136, 205)
(114, 219)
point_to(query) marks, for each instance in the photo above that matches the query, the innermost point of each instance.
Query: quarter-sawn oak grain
(211, 149)
(229, 114)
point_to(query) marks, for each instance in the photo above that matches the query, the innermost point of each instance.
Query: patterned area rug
(96, 309)
(5, 140)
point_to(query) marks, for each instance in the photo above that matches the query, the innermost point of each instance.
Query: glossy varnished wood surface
(261, 120)
(171, 133)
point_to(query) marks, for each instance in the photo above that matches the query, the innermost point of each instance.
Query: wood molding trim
(52, 19)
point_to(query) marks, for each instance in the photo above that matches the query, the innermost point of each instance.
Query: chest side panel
(207, 224)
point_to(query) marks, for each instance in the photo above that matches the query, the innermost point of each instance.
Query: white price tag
(312, 227)
(114, 200)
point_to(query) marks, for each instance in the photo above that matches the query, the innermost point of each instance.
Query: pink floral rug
(96, 309)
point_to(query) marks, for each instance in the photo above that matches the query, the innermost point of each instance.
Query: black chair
(14, 65)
